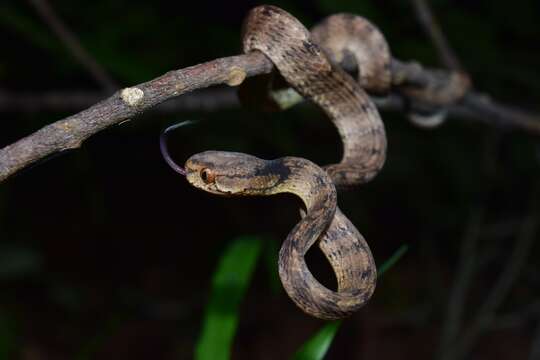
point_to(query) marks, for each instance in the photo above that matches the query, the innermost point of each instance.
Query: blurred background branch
(72, 43)
(432, 28)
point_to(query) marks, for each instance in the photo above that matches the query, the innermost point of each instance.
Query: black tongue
(165, 150)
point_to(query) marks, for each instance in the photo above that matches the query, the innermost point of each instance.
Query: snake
(313, 71)
(238, 174)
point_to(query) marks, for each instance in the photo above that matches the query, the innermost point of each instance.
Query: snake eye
(207, 176)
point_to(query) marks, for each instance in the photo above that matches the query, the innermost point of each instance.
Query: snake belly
(302, 63)
(237, 174)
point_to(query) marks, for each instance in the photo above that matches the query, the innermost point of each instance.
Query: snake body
(313, 71)
(305, 66)
(352, 38)
(237, 174)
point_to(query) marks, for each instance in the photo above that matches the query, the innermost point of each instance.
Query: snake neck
(310, 183)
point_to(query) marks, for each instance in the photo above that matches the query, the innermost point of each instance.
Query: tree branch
(47, 14)
(70, 132)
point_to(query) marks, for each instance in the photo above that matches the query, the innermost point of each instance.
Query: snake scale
(308, 62)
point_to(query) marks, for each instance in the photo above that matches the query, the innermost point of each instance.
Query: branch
(47, 14)
(483, 107)
(70, 132)
(433, 30)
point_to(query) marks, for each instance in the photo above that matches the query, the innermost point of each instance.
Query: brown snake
(313, 73)
(237, 174)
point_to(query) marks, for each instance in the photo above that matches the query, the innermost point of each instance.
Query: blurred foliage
(229, 284)
(392, 260)
(316, 347)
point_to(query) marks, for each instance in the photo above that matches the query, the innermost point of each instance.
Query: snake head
(232, 173)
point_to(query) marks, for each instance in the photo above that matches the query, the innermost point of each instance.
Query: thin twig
(432, 28)
(48, 15)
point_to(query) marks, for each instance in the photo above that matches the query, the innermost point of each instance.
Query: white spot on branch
(132, 96)
(236, 76)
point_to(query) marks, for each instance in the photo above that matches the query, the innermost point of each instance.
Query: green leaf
(316, 347)
(393, 259)
(229, 284)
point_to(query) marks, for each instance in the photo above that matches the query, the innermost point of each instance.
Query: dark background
(105, 253)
